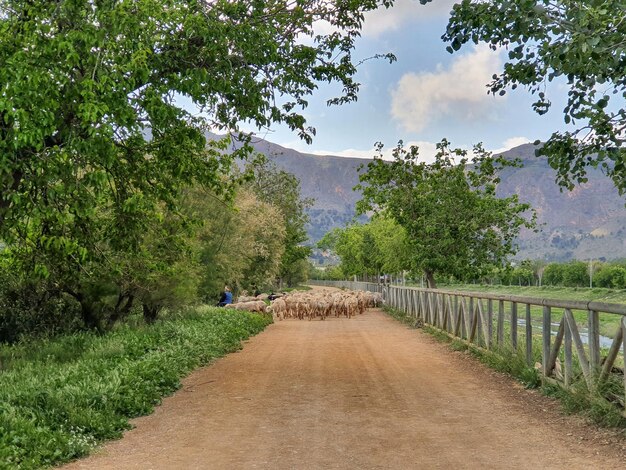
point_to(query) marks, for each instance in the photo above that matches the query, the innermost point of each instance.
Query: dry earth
(365, 393)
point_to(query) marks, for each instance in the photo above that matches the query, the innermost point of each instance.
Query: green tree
(576, 274)
(332, 273)
(88, 109)
(392, 245)
(579, 43)
(521, 275)
(379, 246)
(349, 244)
(553, 274)
(96, 149)
(240, 243)
(455, 224)
(611, 276)
(282, 190)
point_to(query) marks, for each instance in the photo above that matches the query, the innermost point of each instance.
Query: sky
(426, 95)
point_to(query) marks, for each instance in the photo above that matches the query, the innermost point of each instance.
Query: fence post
(500, 322)
(529, 337)
(624, 352)
(490, 323)
(593, 338)
(514, 325)
(547, 325)
(567, 373)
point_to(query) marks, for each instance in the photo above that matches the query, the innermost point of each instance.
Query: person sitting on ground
(226, 297)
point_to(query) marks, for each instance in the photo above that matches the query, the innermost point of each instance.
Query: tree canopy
(90, 113)
(108, 183)
(369, 249)
(282, 189)
(454, 222)
(578, 43)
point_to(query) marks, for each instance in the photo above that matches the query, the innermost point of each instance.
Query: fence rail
(498, 322)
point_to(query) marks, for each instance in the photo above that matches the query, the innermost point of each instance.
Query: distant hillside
(327, 179)
(588, 222)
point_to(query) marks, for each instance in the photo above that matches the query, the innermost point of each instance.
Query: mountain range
(587, 222)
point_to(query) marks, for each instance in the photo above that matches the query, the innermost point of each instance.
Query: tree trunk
(90, 318)
(430, 279)
(88, 314)
(150, 313)
(121, 309)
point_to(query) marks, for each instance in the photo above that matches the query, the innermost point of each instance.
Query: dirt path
(365, 393)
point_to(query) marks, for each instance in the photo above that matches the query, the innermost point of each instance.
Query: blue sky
(427, 95)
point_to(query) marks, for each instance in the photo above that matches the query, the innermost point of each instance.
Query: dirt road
(365, 393)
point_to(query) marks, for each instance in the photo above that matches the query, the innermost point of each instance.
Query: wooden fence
(499, 322)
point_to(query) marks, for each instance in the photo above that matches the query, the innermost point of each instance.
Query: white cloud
(511, 143)
(403, 12)
(427, 151)
(456, 93)
(383, 19)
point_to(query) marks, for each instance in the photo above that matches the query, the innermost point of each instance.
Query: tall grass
(59, 398)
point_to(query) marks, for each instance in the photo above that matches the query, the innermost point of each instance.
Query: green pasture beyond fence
(568, 331)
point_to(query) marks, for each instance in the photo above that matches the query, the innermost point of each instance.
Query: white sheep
(254, 306)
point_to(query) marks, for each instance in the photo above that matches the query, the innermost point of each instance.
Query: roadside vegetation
(120, 214)
(114, 195)
(426, 199)
(61, 397)
(254, 240)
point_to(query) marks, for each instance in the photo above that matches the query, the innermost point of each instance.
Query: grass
(60, 398)
(600, 406)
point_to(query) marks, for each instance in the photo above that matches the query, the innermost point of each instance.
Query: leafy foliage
(576, 274)
(282, 190)
(88, 111)
(454, 222)
(33, 307)
(370, 249)
(97, 151)
(62, 397)
(240, 245)
(611, 276)
(330, 273)
(579, 43)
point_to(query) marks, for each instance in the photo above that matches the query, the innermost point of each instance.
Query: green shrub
(34, 308)
(596, 405)
(611, 276)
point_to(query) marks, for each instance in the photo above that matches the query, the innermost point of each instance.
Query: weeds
(59, 398)
(599, 406)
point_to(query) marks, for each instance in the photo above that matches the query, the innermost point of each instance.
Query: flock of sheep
(313, 304)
